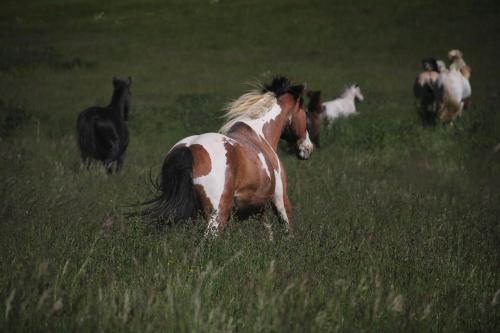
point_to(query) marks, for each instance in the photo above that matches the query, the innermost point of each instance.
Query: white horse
(343, 106)
(453, 88)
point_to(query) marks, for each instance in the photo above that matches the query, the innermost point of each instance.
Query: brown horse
(293, 133)
(237, 168)
(314, 110)
(313, 120)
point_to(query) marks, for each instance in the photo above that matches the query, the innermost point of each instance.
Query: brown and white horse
(312, 121)
(237, 168)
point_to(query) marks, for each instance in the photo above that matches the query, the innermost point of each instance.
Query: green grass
(397, 224)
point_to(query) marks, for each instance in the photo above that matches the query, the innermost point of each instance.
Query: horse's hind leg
(217, 219)
(217, 203)
(284, 210)
(281, 201)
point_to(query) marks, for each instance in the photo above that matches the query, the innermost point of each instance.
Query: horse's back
(85, 126)
(100, 135)
(338, 107)
(209, 153)
(226, 162)
(89, 114)
(427, 77)
(455, 84)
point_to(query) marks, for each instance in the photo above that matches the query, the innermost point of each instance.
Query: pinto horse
(103, 132)
(237, 168)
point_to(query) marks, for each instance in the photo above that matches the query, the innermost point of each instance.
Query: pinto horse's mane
(257, 102)
(251, 105)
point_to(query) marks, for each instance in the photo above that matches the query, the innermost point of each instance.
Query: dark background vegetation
(397, 224)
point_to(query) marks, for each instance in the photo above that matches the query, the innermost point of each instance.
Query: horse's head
(296, 132)
(293, 124)
(357, 92)
(454, 54)
(430, 64)
(299, 128)
(122, 91)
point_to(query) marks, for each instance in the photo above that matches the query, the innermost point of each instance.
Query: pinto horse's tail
(177, 199)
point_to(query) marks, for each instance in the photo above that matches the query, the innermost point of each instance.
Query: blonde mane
(251, 105)
(458, 63)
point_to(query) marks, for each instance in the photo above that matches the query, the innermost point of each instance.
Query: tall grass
(396, 223)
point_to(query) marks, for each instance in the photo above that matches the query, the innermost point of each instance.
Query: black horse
(103, 132)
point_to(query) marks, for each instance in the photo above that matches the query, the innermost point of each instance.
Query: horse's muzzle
(304, 150)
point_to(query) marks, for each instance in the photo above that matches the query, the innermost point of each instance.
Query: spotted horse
(237, 169)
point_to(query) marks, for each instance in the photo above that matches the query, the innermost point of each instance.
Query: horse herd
(443, 93)
(237, 170)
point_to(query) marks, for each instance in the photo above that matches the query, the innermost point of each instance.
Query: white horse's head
(357, 92)
(353, 91)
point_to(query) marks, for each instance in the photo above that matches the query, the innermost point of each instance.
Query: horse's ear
(129, 81)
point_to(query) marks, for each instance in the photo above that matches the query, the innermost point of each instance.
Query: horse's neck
(117, 104)
(457, 64)
(271, 125)
(349, 100)
(348, 95)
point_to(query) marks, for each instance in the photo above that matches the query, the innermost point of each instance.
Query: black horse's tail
(86, 135)
(177, 199)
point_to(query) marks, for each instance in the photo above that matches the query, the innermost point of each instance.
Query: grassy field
(397, 224)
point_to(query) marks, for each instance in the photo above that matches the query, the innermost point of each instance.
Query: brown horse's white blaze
(239, 167)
